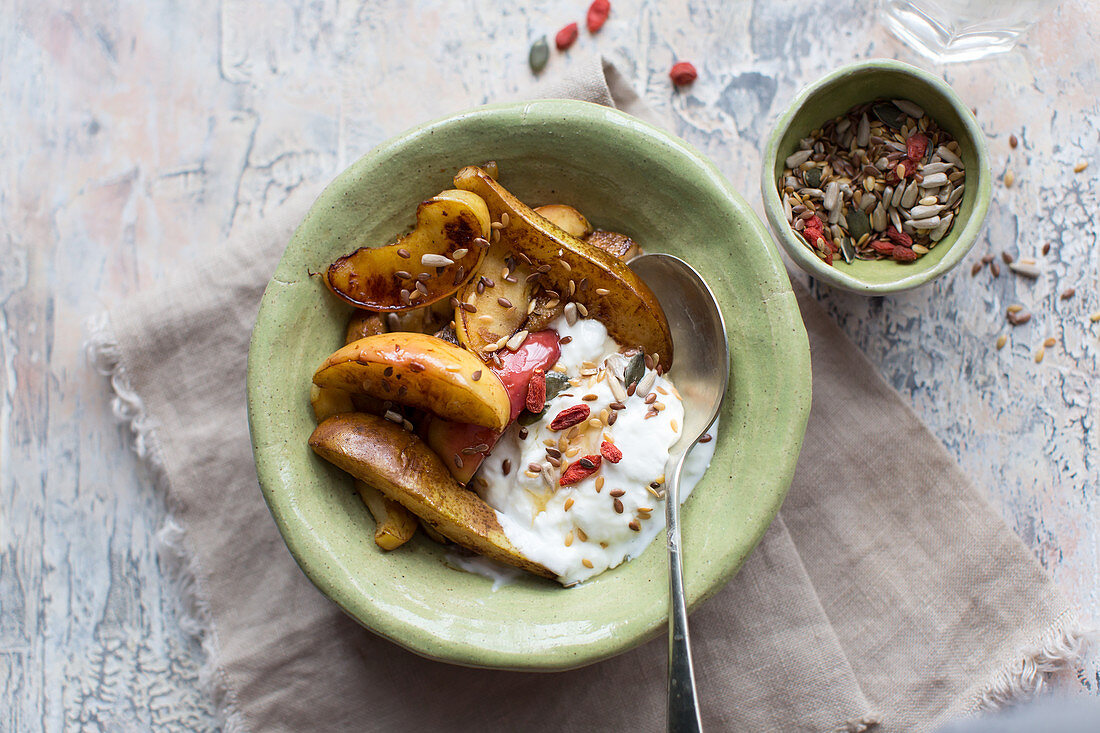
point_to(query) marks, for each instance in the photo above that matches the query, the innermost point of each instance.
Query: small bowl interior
(834, 96)
(626, 176)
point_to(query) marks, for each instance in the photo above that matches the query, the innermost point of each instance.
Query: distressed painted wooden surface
(137, 135)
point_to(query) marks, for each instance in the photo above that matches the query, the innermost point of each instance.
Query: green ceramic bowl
(625, 175)
(834, 95)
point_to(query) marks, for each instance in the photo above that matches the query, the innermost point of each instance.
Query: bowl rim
(840, 278)
(312, 556)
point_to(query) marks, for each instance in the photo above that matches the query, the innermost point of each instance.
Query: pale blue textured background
(137, 135)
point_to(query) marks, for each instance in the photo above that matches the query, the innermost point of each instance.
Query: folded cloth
(888, 595)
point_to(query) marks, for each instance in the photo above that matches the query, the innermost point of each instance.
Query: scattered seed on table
(1027, 267)
(682, 73)
(1094, 317)
(1068, 293)
(1010, 178)
(566, 37)
(1039, 354)
(1001, 341)
(995, 269)
(539, 55)
(975, 269)
(1014, 308)
(986, 259)
(1050, 342)
(1080, 166)
(597, 15)
(1007, 258)
(1046, 248)
(1012, 141)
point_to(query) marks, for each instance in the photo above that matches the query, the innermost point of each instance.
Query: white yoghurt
(533, 513)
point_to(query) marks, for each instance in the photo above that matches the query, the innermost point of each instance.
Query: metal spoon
(701, 375)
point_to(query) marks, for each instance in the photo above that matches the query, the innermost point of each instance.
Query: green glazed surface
(834, 95)
(627, 176)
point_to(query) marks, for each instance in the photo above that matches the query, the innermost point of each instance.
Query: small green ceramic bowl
(834, 95)
(627, 176)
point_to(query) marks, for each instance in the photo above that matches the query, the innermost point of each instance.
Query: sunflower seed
(878, 219)
(935, 168)
(863, 132)
(940, 231)
(1026, 267)
(955, 196)
(646, 383)
(924, 211)
(935, 180)
(432, 260)
(945, 154)
(909, 108)
(516, 341)
(571, 313)
(909, 197)
(797, 159)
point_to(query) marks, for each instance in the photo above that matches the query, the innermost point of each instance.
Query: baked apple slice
(608, 290)
(405, 469)
(421, 371)
(429, 263)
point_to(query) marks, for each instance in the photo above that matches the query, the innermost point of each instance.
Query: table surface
(137, 136)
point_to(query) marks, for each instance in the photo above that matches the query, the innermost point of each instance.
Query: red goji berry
(578, 471)
(916, 146)
(611, 452)
(899, 237)
(904, 254)
(682, 73)
(597, 14)
(536, 392)
(566, 36)
(882, 248)
(570, 416)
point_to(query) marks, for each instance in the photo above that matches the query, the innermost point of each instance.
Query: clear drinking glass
(962, 30)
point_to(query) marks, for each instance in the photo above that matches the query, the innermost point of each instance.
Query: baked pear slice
(494, 311)
(421, 371)
(406, 470)
(394, 525)
(567, 218)
(609, 290)
(429, 263)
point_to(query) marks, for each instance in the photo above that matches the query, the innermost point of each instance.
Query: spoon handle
(683, 704)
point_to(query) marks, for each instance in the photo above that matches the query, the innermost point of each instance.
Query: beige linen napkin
(888, 595)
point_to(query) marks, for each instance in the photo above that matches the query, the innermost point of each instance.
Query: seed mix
(881, 181)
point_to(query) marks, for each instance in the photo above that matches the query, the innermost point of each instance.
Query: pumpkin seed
(539, 55)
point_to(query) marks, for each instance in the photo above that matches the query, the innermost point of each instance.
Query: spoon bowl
(701, 374)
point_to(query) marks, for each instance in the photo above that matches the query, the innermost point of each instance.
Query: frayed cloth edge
(861, 725)
(174, 555)
(1062, 648)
